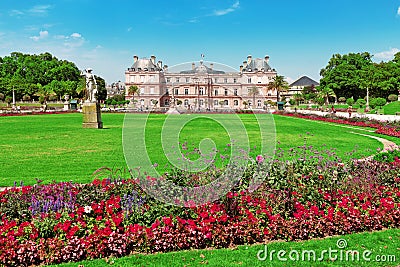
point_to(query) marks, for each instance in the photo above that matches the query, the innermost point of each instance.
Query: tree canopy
(350, 75)
(40, 75)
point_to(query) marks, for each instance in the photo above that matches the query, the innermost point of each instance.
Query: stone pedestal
(66, 106)
(172, 111)
(91, 115)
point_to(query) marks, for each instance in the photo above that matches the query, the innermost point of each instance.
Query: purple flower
(260, 159)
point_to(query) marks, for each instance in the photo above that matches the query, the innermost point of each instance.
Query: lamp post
(13, 103)
(367, 105)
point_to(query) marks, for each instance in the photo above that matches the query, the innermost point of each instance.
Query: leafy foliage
(41, 75)
(350, 75)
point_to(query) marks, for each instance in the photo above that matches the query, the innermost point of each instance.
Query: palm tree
(325, 93)
(297, 97)
(279, 84)
(253, 91)
(133, 89)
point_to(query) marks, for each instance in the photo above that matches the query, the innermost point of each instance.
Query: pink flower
(260, 159)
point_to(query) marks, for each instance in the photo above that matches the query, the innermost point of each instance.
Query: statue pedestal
(66, 106)
(172, 111)
(91, 115)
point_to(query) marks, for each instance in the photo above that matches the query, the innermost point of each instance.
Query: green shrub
(342, 99)
(392, 97)
(350, 101)
(377, 102)
(389, 156)
(361, 102)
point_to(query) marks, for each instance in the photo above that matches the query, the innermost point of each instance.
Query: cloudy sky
(299, 36)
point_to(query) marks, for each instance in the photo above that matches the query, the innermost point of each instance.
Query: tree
(279, 84)
(297, 97)
(344, 74)
(245, 104)
(132, 90)
(253, 91)
(325, 93)
(101, 94)
(2, 96)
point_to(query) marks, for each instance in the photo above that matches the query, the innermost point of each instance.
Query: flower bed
(311, 196)
(390, 129)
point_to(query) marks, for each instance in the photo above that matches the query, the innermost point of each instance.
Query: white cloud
(398, 11)
(42, 35)
(39, 10)
(76, 35)
(16, 13)
(387, 55)
(228, 10)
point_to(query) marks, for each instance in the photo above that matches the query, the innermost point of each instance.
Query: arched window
(226, 102)
(235, 102)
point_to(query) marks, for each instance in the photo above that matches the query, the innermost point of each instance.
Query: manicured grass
(392, 108)
(382, 244)
(56, 147)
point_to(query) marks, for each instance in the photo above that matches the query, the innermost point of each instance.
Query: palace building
(200, 87)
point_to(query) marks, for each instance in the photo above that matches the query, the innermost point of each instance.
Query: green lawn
(392, 108)
(382, 246)
(56, 147)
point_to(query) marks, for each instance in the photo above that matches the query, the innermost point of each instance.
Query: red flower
(204, 214)
(167, 221)
(155, 224)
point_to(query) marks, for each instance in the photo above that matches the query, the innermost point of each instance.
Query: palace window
(186, 91)
(235, 102)
(226, 92)
(216, 92)
(235, 91)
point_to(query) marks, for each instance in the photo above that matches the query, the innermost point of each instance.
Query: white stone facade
(202, 87)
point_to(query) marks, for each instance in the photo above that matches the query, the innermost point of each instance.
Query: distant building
(298, 86)
(201, 87)
(116, 88)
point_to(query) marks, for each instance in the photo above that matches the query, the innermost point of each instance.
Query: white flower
(88, 209)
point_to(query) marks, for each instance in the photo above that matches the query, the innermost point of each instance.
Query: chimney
(165, 68)
(193, 66)
(135, 58)
(266, 58)
(244, 64)
(248, 59)
(211, 66)
(159, 64)
(153, 59)
(241, 68)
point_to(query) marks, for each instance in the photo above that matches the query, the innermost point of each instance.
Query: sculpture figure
(91, 85)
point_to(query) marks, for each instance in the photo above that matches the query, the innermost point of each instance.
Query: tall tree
(279, 84)
(132, 90)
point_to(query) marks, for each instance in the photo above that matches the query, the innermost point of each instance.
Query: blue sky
(299, 36)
